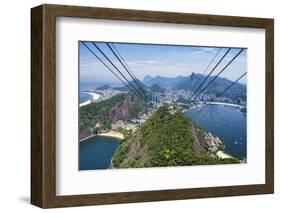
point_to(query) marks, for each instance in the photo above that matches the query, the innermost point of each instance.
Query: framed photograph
(136, 106)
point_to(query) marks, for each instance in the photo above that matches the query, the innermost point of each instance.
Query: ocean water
(84, 97)
(89, 85)
(96, 152)
(227, 123)
(94, 85)
(223, 121)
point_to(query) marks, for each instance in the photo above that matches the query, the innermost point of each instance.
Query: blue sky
(163, 60)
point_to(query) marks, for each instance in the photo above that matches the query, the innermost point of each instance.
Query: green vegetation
(122, 151)
(165, 139)
(99, 116)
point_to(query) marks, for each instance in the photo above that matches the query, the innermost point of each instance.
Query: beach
(85, 103)
(95, 97)
(83, 139)
(223, 155)
(113, 134)
(222, 103)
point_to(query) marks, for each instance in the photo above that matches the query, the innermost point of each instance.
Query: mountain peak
(147, 78)
(188, 83)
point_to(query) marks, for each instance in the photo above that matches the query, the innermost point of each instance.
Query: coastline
(95, 97)
(222, 103)
(219, 103)
(112, 134)
(223, 155)
(85, 103)
(83, 139)
(214, 103)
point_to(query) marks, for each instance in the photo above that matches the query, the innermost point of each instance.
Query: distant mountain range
(162, 81)
(136, 85)
(156, 88)
(191, 82)
(104, 87)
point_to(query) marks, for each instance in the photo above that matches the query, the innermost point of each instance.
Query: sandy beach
(223, 155)
(83, 139)
(113, 134)
(222, 103)
(95, 96)
(85, 103)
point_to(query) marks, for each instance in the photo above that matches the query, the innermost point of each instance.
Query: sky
(158, 60)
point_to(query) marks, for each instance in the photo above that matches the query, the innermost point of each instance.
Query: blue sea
(84, 97)
(227, 123)
(96, 152)
(94, 85)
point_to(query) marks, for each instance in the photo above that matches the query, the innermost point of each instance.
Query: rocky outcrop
(101, 115)
(121, 111)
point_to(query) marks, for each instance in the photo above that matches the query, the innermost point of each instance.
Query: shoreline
(85, 103)
(112, 134)
(95, 97)
(219, 103)
(223, 155)
(215, 103)
(222, 103)
(220, 153)
(83, 139)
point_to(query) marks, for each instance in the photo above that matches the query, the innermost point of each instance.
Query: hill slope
(167, 138)
(99, 116)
